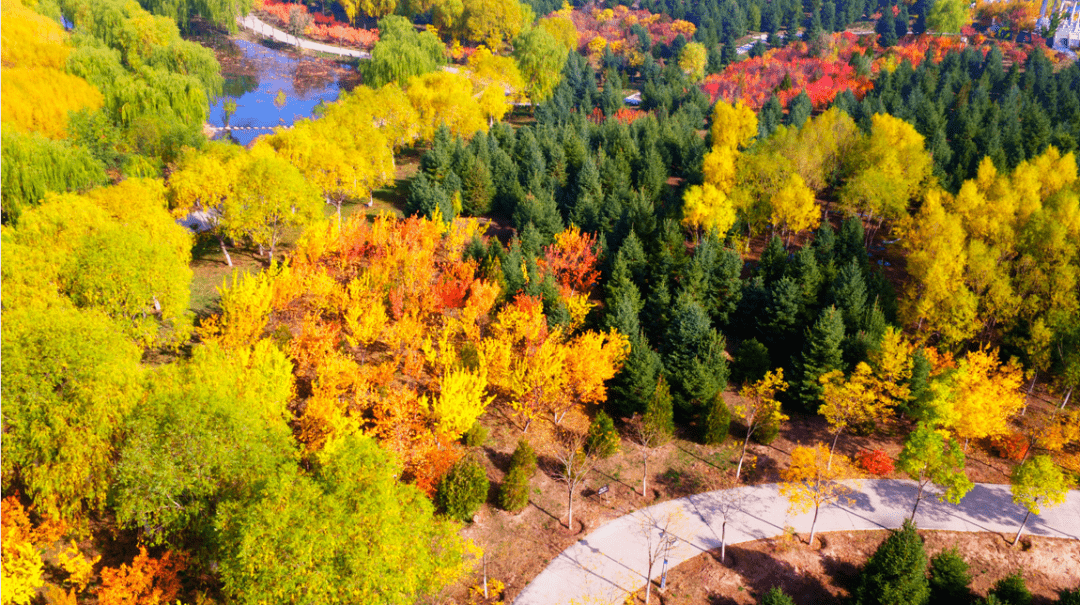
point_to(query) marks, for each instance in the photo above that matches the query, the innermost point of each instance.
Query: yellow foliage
(892, 361)
(793, 207)
(979, 398)
(855, 401)
(442, 98)
(708, 207)
(733, 126)
(21, 566)
(460, 402)
(811, 481)
(79, 567)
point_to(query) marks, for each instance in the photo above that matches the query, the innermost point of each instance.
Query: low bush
(1012, 590)
(949, 578)
(1011, 447)
(717, 422)
(603, 438)
(875, 462)
(476, 436)
(463, 489)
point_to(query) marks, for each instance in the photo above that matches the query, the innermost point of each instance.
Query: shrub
(766, 433)
(717, 422)
(476, 436)
(1012, 590)
(876, 462)
(896, 572)
(514, 491)
(524, 457)
(776, 596)
(463, 489)
(603, 439)
(1011, 447)
(751, 362)
(1069, 597)
(949, 578)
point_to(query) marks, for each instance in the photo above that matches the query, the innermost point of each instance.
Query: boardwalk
(611, 561)
(265, 30)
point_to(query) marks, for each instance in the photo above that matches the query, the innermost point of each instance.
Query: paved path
(611, 561)
(260, 27)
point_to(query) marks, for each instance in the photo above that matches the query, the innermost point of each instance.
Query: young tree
(652, 430)
(1036, 483)
(811, 482)
(660, 536)
(575, 462)
(949, 578)
(896, 572)
(931, 457)
(979, 398)
(760, 408)
(821, 355)
(853, 402)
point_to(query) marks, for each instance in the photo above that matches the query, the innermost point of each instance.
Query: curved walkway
(611, 561)
(262, 28)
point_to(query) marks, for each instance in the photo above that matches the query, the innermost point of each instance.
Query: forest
(867, 229)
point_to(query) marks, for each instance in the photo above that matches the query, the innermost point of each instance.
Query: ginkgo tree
(760, 408)
(853, 401)
(979, 397)
(813, 481)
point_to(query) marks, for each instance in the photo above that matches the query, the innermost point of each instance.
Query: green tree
(896, 572)
(463, 489)
(222, 13)
(603, 438)
(949, 578)
(70, 377)
(694, 357)
(402, 53)
(821, 355)
(931, 457)
(1012, 590)
(34, 165)
(540, 58)
(717, 421)
(211, 429)
(776, 596)
(352, 529)
(1036, 483)
(948, 16)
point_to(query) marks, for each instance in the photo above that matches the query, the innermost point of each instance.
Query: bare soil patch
(829, 572)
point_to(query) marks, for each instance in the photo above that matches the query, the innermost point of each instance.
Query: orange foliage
(572, 261)
(147, 581)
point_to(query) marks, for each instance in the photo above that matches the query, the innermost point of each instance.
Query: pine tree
(634, 387)
(773, 261)
(770, 117)
(717, 422)
(821, 354)
(694, 357)
(896, 572)
(799, 110)
(949, 578)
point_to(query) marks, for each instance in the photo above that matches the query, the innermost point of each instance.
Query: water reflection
(255, 76)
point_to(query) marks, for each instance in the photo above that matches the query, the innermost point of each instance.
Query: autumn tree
(760, 408)
(443, 98)
(1036, 483)
(497, 80)
(851, 402)
(271, 196)
(794, 208)
(201, 183)
(494, 22)
(708, 206)
(402, 53)
(145, 581)
(692, 61)
(660, 532)
(979, 397)
(928, 457)
(812, 482)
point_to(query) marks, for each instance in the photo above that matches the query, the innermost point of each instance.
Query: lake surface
(273, 87)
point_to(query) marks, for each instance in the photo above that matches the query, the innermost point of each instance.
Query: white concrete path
(262, 28)
(611, 561)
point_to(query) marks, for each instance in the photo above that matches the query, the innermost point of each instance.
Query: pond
(273, 87)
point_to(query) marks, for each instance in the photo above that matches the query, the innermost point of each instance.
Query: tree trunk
(648, 579)
(723, 541)
(225, 251)
(742, 456)
(918, 498)
(1065, 402)
(813, 524)
(645, 473)
(832, 449)
(1017, 538)
(570, 508)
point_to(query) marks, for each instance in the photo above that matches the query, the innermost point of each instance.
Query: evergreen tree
(463, 489)
(751, 363)
(799, 110)
(821, 354)
(658, 412)
(896, 572)
(693, 357)
(1012, 590)
(807, 274)
(886, 28)
(770, 116)
(717, 421)
(848, 294)
(634, 386)
(949, 578)
(776, 596)
(602, 439)
(773, 261)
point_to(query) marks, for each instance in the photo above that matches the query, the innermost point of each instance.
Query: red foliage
(572, 260)
(1011, 447)
(323, 28)
(876, 462)
(629, 116)
(614, 27)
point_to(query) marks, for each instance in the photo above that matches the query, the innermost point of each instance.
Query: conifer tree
(694, 357)
(896, 572)
(821, 354)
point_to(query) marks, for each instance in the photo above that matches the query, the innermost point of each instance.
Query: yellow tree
(592, 359)
(497, 80)
(937, 297)
(979, 397)
(446, 99)
(760, 407)
(709, 206)
(893, 363)
(812, 482)
(494, 22)
(852, 402)
(793, 207)
(692, 61)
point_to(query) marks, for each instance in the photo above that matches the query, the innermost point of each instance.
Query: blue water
(305, 83)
